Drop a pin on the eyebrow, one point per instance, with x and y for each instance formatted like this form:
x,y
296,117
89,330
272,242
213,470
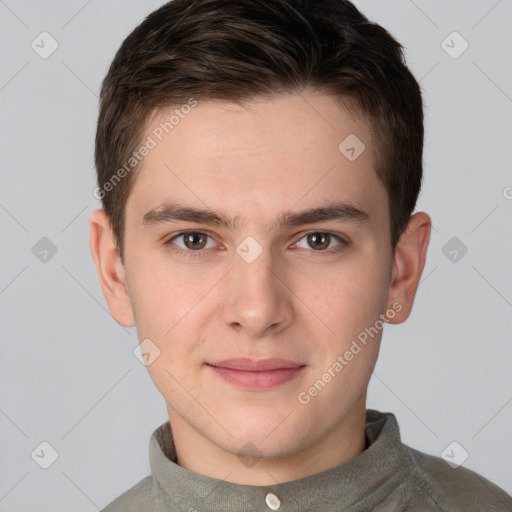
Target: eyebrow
x,y
168,212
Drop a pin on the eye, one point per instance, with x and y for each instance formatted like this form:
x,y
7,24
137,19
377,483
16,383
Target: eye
x,y
193,241
320,241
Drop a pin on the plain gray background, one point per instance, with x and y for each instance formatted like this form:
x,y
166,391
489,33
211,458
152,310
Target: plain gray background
x,y
69,374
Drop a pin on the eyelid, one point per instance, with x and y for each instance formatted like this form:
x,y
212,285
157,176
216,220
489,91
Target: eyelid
x,y
342,241
170,242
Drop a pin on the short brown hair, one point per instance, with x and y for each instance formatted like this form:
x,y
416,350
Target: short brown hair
x,y
236,50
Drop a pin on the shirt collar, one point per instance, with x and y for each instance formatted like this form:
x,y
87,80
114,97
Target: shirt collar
x,y
371,476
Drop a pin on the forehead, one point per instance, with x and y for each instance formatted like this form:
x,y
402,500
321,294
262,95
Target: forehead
x,y
258,158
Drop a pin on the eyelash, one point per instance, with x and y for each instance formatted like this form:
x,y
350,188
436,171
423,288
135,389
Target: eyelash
x,y
200,253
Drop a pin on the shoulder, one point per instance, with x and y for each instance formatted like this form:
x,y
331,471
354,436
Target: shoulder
x,y
139,498
455,489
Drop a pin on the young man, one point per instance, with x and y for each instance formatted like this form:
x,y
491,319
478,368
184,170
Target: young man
x,y
259,164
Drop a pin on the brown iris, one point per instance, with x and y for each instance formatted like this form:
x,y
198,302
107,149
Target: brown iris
x,y
319,240
196,240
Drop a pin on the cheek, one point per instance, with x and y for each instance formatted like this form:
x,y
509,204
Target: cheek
x,y
168,306
165,294
349,298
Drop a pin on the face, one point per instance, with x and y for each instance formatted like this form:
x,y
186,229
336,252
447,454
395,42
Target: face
x,y
292,263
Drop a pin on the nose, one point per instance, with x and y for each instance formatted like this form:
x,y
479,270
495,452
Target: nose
x,y
258,298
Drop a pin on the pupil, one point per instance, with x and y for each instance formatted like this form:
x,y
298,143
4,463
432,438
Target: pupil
x,y
323,240
195,240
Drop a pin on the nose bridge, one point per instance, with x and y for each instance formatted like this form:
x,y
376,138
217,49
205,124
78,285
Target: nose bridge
x,y
257,299
257,272
254,270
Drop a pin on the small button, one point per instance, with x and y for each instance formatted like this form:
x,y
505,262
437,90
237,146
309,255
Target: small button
x,y
273,502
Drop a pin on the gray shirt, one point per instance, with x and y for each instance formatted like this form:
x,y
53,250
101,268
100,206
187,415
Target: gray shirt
x,y
387,476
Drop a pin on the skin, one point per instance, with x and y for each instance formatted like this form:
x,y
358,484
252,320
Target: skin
x,y
293,301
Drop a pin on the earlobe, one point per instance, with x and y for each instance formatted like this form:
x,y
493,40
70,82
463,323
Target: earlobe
x,y
408,264
110,270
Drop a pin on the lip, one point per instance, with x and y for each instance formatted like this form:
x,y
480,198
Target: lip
x,y
256,365
257,374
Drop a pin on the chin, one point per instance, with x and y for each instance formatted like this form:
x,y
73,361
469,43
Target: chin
x,y
270,440
254,447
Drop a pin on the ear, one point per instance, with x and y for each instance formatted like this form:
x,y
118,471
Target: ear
x,y
110,269
408,264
